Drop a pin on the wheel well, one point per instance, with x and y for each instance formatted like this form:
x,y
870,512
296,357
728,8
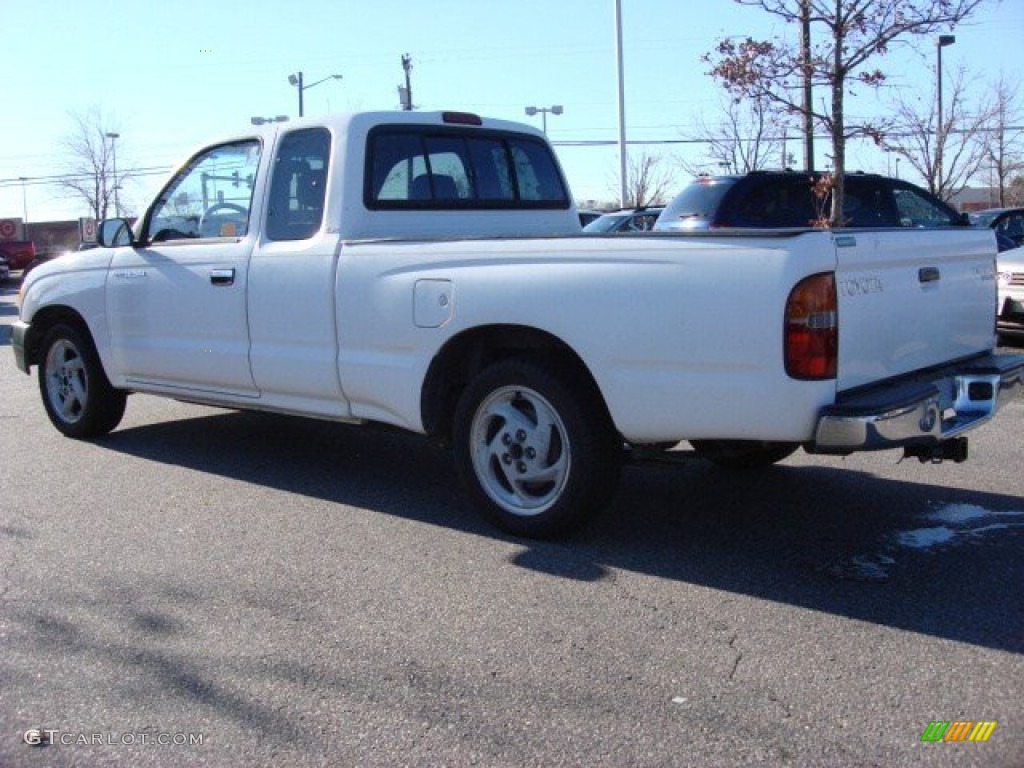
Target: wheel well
x,y
43,321
465,355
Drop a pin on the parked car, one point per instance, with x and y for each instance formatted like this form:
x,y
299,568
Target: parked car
x,y
786,199
1008,224
1010,304
19,253
627,220
586,215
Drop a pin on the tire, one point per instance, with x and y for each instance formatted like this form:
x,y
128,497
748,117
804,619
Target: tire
x,y
76,393
743,454
535,449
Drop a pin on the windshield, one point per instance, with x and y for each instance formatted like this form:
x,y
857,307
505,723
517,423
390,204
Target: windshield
x,y
607,223
983,218
697,203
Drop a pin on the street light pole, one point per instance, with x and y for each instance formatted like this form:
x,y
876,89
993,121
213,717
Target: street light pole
x,y
296,80
113,154
554,110
622,103
940,133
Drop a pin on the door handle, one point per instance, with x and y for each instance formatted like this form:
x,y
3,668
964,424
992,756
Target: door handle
x,y
928,274
222,276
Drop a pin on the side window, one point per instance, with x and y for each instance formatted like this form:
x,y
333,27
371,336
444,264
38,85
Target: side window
x,y
1013,227
917,210
210,197
867,204
295,209
777,202
447,169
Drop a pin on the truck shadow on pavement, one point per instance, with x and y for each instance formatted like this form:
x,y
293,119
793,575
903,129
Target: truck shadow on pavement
x,y
153,641
930,559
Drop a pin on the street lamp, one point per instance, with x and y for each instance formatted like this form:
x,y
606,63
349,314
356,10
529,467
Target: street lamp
x,y
940,137
267,120
296,80
113,154
555,110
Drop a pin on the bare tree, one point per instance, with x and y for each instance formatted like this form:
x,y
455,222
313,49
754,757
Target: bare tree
x,y
89,172
649,180
856,32
748,136
1004,140
1015,191
959,138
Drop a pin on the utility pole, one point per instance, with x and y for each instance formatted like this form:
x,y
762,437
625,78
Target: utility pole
x,y
805,60
622,103
406,96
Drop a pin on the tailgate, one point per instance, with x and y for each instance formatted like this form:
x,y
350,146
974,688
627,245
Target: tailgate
x,y
912,299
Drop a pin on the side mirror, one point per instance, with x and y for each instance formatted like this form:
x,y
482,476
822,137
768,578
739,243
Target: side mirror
x,y
112,233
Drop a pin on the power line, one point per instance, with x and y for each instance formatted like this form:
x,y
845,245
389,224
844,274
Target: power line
x,y
154,170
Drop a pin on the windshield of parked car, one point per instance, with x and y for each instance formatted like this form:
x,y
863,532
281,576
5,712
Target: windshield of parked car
x,y
983,218
695,205
607,223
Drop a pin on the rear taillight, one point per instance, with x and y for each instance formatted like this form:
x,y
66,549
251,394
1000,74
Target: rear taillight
x,y
812,328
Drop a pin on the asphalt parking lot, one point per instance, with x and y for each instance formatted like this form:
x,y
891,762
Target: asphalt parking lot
x,y
208,587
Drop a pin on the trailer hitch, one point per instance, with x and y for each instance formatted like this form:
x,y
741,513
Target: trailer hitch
x,y
954,449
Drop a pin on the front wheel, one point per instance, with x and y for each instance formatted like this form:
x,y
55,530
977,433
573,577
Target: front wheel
x,y
534,449
77,395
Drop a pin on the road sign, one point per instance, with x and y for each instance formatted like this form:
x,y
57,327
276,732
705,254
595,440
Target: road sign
x,y
9,228
87,230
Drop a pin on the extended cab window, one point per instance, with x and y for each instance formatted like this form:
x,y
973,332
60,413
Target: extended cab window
x,y
210,197
451,169
297,185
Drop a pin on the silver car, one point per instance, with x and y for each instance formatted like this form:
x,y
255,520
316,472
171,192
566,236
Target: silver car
x,y
1010,306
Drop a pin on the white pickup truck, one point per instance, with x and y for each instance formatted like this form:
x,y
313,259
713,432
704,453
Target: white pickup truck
x,y
428,271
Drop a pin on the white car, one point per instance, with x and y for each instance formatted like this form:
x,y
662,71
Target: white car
x,y
1010,305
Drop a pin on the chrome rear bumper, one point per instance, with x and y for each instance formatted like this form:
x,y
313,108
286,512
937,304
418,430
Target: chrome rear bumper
x,y
926,408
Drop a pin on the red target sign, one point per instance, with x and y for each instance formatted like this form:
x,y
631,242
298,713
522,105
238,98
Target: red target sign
x,y
87,230
8,229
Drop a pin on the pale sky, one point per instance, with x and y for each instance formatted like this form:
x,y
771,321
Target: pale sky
x,y
170,76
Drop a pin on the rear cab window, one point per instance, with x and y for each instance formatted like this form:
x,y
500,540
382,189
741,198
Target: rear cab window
x,y
439,167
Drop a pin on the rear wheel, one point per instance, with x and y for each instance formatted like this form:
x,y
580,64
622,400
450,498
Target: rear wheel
x,y
534,449
743,454
77,395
